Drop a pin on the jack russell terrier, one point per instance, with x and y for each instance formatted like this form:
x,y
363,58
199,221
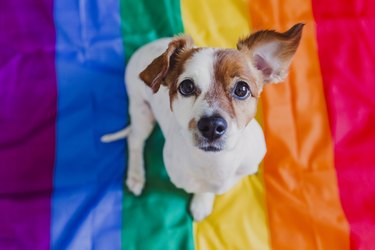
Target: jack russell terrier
x,y
204,100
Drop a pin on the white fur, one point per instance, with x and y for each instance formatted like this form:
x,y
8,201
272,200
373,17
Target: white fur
x,y
202,205
200,68
116,136
196,171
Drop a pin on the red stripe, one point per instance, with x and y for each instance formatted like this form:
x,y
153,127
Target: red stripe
x,y
346,39
27,122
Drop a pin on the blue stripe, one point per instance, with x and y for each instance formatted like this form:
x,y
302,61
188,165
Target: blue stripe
x,y
88,177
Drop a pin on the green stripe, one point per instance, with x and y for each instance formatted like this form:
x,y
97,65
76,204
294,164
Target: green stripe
x,y
159,218
146,20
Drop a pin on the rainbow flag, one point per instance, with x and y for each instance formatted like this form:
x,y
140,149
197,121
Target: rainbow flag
x,y
61,87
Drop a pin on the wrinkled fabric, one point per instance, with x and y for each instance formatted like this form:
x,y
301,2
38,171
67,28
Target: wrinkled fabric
x,y
27,123
88,175
345,39
62,64
159,218
239,219
303,202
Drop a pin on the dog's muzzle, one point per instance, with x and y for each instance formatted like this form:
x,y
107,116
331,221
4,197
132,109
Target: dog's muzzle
x,y
212,128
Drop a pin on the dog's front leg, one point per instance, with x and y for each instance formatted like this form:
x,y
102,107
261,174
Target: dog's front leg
x,y
201,205
142,123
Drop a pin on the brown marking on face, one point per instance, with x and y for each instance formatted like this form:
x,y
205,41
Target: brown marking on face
x,y
155,73
176,70
245,111
192,124
231,65
166,69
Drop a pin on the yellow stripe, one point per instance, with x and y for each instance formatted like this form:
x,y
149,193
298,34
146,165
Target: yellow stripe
x,y
239,219
216,23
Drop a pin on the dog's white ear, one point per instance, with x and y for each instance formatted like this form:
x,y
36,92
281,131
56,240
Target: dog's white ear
x,y
271,52
156,72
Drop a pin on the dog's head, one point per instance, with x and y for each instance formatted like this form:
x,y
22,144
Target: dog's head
x,y
214,92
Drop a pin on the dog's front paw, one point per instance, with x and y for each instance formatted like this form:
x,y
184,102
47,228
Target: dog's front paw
x,y
201,206
135,184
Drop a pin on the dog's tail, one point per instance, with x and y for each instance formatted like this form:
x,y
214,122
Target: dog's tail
x,y
116,135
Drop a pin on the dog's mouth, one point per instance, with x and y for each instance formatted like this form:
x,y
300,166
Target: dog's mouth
x,y
210,148
207,145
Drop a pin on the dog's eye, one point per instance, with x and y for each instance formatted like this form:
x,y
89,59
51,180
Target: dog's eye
x,y
186,87
241,90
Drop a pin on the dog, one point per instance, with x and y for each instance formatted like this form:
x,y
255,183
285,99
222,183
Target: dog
x,y
204,100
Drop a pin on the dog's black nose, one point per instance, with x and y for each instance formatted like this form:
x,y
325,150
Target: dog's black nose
x,y
212,127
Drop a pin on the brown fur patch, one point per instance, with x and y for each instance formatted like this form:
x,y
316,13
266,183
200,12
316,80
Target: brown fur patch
x,y
192,124
289,40
155,73
286,44
231,65
177,68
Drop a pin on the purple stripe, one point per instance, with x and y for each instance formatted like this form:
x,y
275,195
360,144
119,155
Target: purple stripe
x,y
27,122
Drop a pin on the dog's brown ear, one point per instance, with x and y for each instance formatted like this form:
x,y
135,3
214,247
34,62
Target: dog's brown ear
x,y
271,52
156,72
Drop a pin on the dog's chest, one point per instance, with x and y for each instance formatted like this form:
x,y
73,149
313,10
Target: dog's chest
x,y
197,171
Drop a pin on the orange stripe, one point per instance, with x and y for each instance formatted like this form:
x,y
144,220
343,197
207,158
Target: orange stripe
x,y
301,186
